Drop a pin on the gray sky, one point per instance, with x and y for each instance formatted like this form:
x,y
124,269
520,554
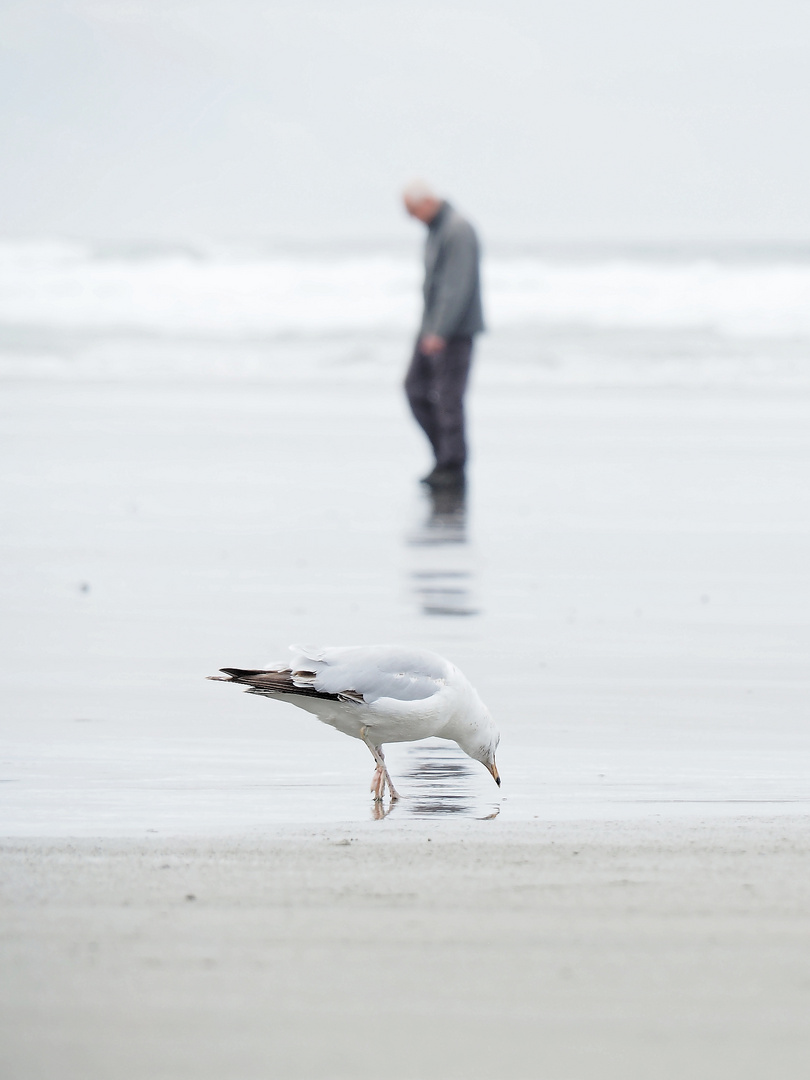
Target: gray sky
x,y
572,119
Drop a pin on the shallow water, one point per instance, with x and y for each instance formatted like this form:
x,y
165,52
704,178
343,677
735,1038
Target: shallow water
x,y
626,584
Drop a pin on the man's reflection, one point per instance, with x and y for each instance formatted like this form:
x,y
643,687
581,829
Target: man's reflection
x,y
441,574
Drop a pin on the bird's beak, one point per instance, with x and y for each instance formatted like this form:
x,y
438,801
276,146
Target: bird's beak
x,y
493,768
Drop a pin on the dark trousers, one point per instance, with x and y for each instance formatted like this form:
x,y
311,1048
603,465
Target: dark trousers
x,y
435,387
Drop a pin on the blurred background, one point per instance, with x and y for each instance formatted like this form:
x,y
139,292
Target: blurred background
x,y
614,121
181,174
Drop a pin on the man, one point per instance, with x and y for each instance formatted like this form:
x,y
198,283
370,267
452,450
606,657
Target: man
x,y
437,377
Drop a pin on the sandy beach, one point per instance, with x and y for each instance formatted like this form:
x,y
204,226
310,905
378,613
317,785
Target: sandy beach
x,y
472,950
626,586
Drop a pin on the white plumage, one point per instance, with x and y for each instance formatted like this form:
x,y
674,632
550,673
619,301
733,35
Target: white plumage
x,y
380,694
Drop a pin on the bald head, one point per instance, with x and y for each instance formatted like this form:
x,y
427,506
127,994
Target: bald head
x,y
421,202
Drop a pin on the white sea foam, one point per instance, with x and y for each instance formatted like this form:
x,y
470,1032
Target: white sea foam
x,y
73,310
732,299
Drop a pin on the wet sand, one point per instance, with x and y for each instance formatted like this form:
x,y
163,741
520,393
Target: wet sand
x,y
627,586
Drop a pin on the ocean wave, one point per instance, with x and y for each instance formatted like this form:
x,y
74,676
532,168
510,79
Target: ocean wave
x,y
193,291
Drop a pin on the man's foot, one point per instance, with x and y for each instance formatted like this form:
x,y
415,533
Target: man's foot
x,y
446,476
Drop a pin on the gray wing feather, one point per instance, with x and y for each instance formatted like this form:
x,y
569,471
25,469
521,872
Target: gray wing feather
x,y
381,671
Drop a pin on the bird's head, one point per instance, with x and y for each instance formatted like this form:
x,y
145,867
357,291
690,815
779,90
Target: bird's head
x,y
480,741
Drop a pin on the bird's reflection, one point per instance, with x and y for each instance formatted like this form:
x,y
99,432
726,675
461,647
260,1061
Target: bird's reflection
x,y
446,783
440,575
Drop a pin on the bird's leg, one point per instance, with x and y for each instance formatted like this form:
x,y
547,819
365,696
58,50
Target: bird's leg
x,y
378,784
392,791
381,775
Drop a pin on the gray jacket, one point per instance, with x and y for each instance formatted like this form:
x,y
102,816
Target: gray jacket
x,y
452,286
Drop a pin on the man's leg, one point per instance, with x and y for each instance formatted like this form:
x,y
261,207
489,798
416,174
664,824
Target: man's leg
x,y
418,387
452,368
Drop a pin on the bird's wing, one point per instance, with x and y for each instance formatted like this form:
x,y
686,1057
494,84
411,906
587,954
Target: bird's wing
x,y
369,673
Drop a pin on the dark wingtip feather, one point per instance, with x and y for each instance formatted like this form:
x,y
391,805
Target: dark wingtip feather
x,y
235,674
270,683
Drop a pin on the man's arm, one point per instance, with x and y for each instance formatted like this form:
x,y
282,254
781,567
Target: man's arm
x,y
454,287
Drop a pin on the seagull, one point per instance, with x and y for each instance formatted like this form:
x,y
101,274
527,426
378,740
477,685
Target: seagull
x,y
380,694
